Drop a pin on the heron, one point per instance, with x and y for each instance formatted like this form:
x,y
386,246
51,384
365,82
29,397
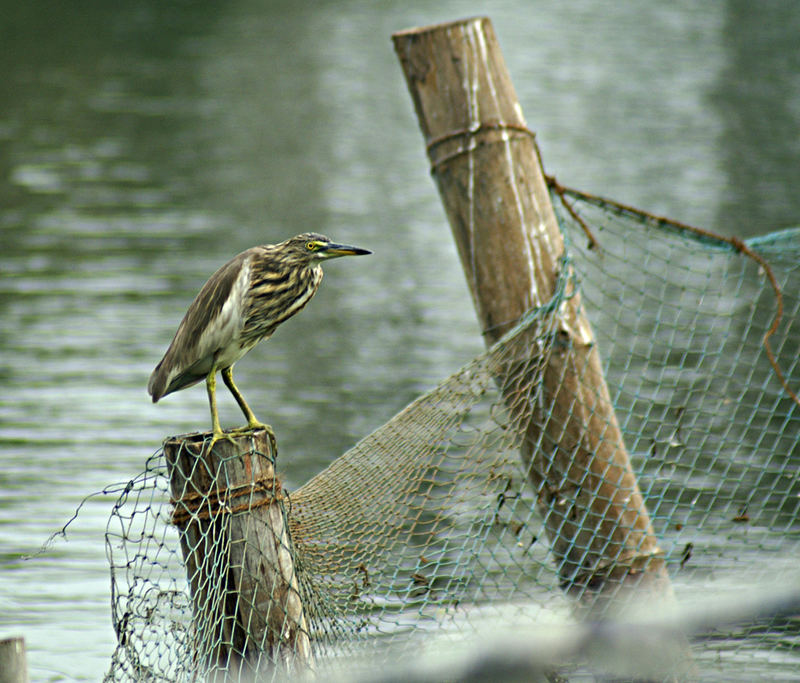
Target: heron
x,y
241,304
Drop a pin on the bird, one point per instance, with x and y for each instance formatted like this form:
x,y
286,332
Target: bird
x,y
241,304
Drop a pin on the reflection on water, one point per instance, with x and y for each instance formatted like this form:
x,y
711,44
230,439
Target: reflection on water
x,y
145,144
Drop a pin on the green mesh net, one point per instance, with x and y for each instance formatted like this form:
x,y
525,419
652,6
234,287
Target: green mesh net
x,y
433,525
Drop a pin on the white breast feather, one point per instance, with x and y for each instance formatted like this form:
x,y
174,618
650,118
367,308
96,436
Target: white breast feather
x,y
223,334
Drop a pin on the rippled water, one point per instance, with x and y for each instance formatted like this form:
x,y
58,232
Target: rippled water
x,y
144,145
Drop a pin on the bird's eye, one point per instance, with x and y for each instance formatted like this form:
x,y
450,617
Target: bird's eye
x,y
311,246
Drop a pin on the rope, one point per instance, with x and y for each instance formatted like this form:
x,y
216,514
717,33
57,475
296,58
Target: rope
x,y
734,242
205,505
470,134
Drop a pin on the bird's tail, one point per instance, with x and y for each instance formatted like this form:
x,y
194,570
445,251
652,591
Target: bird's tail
x,y
157,385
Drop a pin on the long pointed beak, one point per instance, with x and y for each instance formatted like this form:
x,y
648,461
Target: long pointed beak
x,y
334,250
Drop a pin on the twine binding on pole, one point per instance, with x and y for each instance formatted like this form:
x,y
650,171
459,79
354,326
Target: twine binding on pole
x,y
206,505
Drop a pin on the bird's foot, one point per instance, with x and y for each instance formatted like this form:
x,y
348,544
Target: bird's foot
x,y
219,435
252,427
255,425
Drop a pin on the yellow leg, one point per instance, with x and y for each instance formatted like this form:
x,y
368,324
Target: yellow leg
x,y
227,376
252,422
216,430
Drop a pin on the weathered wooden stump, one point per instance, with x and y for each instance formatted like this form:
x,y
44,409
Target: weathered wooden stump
x,y
13,663
229,508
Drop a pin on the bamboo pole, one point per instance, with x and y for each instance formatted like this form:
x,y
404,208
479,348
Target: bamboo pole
x,y
13,663
234,535
486,166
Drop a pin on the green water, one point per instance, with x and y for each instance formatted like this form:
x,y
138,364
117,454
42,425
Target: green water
x,y
143,144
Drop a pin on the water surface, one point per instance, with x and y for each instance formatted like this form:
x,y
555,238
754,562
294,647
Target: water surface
x,y
143,144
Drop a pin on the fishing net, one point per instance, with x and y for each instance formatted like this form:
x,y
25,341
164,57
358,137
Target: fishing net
x,y
434,525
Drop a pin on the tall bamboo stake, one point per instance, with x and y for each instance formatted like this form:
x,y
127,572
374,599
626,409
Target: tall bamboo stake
x,y
486,166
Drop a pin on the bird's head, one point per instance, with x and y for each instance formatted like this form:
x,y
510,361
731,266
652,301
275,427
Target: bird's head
x,y
311,248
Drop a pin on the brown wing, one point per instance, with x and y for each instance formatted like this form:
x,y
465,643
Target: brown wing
x,y
186,361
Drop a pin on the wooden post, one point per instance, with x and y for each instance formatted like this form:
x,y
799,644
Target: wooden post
x,y
13,663
485,162
228,506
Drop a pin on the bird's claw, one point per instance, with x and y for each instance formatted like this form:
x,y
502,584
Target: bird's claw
x,y
253,426
220,436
